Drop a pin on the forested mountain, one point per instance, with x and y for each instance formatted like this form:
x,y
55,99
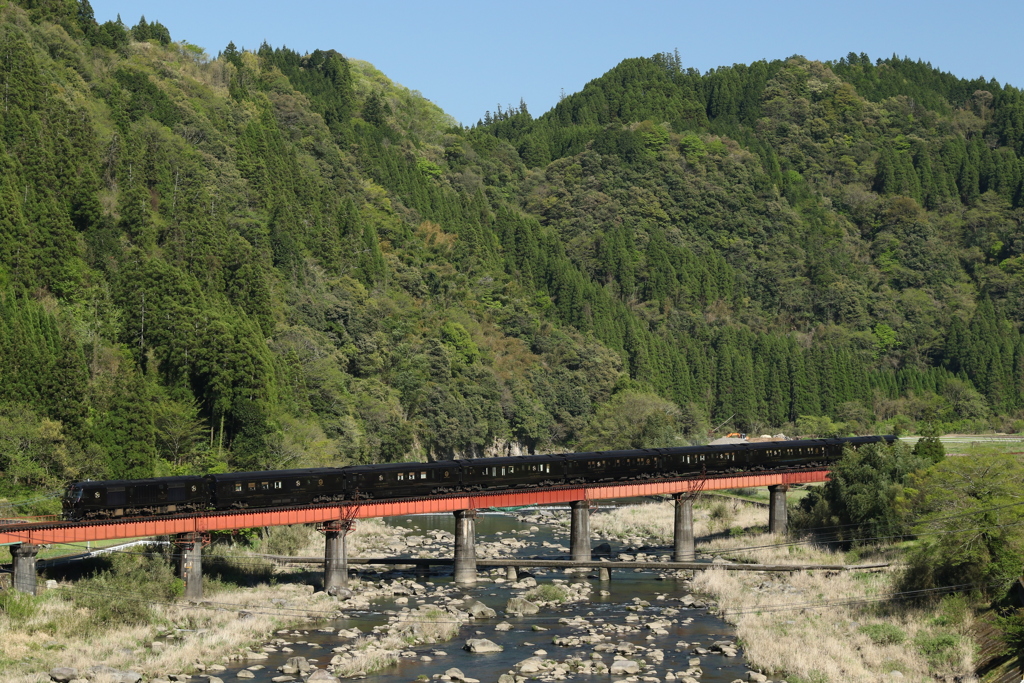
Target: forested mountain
x,y
268,259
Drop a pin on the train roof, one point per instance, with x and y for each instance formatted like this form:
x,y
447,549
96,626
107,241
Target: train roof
x,y
400,466
89,483
276,474
509,460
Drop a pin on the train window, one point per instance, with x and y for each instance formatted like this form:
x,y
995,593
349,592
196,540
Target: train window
x,y
265,485
277,484
252,486
401,476
503,471
238,486
423,475
548,468
380,477
319,482
511,470
298,482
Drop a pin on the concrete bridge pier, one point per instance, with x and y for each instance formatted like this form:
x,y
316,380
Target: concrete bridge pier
x,y
579,531
684,541
604,573
778,521
511,574
336,556
465,547
24,579
190,565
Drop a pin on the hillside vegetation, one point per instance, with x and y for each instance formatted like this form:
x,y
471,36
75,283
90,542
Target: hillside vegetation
x,y
268,259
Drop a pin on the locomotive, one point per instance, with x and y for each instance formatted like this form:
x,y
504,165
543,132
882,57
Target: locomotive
x,y
86,500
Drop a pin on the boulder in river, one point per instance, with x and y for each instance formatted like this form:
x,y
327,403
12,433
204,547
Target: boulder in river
x,y
624,666
322,676
482,645
519,605
531,666
294,665
479,610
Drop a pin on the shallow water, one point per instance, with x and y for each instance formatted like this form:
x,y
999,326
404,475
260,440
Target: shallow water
x,y
522,642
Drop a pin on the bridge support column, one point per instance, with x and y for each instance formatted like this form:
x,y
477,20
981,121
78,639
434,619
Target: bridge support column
x,y
336,556
511,574
24,579
604,573
465,547
190,565
579,531
684,542
778,522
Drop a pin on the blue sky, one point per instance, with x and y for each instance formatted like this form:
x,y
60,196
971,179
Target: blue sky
x,y
470,56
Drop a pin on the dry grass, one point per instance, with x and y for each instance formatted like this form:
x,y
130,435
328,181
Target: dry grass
x,y
59,633
303,540
797,626
65,628
655,521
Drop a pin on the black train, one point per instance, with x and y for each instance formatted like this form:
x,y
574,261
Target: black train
x,y
85,500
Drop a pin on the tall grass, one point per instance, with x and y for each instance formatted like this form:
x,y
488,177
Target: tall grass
x,y
823,626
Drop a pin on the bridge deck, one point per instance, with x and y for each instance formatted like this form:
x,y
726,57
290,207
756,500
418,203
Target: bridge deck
x,y
78,532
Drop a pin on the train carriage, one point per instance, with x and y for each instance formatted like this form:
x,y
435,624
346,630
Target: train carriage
x,y
608,466
272,488
401,480
133,498
484,474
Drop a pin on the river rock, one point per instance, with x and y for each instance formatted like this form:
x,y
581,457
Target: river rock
x,y
521,606
756,677
624,666
63,674
531,665
506,678
245,673
322,676
455,674
482,645
479,610
503,626
294,665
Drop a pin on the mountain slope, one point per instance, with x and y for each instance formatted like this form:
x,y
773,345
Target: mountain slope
x,y
270,259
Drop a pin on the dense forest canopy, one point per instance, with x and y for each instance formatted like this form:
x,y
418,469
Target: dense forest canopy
x,y
271,259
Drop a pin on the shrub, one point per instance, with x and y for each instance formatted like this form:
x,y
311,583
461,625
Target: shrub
x,y
940,648
549,592
129,590
17,606
884,634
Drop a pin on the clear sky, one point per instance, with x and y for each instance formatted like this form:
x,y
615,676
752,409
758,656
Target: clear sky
x,y
470,56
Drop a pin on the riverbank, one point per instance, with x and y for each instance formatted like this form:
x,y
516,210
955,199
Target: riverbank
x,y
123,610
810,627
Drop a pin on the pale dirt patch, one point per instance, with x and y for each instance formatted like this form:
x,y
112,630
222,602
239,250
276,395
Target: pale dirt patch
x,y
656,521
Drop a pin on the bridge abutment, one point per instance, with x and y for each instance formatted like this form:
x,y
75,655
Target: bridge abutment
x,y
336,555
190,565
579,531
24,569
683,536
465,547
778,522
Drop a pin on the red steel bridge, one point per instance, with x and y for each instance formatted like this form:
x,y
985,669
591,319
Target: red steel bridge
x,y
336,521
